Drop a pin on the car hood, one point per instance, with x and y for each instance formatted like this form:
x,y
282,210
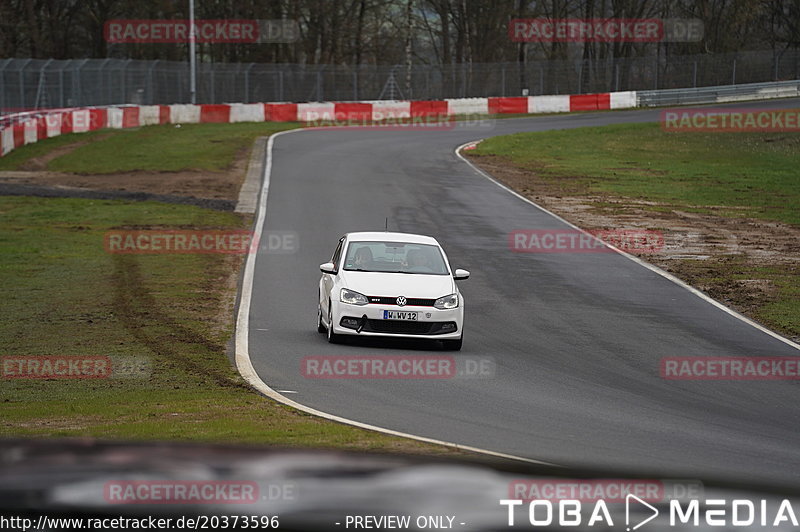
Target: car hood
x,y
399,284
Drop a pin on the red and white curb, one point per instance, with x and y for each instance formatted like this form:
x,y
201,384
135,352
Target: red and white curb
x,y
28,127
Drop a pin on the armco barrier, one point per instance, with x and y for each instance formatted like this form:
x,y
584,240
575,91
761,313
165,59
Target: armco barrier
x,y
27,127
718,94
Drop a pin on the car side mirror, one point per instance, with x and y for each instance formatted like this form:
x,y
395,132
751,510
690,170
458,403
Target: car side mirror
x,y
328,267
460,275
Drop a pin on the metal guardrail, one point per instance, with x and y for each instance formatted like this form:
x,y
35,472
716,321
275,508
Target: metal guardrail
x,y
718,94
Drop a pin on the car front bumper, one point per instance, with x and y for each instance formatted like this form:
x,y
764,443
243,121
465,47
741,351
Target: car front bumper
x,y
432,323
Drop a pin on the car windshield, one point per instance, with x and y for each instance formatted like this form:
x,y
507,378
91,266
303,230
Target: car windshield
x,y
395,257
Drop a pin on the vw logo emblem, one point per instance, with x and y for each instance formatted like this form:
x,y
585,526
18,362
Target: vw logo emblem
x,y
401,301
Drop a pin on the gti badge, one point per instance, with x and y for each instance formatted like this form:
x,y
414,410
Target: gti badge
x,y
401,301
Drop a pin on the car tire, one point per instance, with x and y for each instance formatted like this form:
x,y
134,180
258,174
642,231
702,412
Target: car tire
x,y
333,338
320,326
453,345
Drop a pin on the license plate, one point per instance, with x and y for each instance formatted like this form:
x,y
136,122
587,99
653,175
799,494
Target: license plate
x,y
400,315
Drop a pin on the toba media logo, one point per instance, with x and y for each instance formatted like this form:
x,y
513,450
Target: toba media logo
x,y
607,503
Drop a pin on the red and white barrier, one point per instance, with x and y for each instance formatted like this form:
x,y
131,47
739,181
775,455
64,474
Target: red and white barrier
x,y
390,110
468,106
311,112
247,112
7,136
623,100
548,104
25,128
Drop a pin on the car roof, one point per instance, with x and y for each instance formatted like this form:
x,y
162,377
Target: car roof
x,y
387,236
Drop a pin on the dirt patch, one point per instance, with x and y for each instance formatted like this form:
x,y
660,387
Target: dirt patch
x,y
221,185
37,164
707,250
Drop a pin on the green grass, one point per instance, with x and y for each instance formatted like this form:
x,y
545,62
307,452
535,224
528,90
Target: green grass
x,y
64,295
19,156
164,148
721,278
750,175
747,174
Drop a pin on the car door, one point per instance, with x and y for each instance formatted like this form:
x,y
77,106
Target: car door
x,y
328,279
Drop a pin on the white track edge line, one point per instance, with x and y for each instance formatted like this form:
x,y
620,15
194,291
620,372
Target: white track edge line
x,y
635,259
245,366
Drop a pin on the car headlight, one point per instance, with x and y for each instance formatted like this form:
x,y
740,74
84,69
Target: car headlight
x,y
446,302
351,297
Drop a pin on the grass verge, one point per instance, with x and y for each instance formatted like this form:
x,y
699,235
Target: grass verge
x,y
64,295
639,168
164,148
751,174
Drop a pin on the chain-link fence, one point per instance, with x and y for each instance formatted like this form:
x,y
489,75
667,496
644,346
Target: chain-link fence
x,y
35,84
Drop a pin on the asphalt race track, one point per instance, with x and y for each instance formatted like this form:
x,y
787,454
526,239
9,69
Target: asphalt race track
x,y
577,338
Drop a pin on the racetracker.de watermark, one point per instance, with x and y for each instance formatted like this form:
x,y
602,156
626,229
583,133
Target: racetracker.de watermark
x,y
121,31
730,120
431,122
730,368
182,492
396,367
74,367
578,241
605,30
608,490
156,241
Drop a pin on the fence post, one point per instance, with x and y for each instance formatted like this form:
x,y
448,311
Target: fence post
x,y
150,85
61,83
22,84
733,81
78,87
106,81
694,75
40,85
247,83
3,85
541,79
211,72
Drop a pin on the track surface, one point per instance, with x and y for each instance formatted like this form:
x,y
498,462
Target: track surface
x,y
577,338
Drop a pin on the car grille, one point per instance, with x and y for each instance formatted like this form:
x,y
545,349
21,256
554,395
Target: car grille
x,y
388,300
403,327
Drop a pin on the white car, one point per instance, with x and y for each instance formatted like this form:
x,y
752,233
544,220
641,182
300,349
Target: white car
x,y
392,285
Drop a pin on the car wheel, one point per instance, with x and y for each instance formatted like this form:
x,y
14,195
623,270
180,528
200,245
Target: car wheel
x,y
332,336
320,326
453,345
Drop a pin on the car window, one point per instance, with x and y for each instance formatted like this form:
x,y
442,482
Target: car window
x,y
401,257
337,253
